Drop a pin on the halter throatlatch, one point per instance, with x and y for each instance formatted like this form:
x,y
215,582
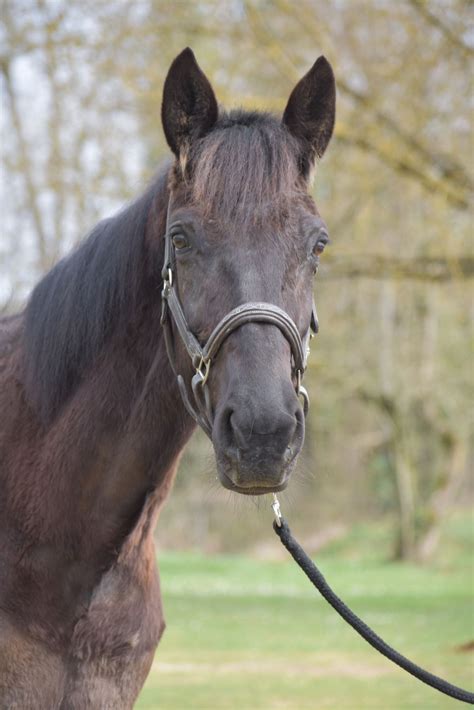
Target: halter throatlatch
x,y
197,398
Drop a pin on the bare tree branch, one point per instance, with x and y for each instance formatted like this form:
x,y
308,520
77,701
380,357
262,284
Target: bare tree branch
x,y
436,173
27,170
381,267
422,7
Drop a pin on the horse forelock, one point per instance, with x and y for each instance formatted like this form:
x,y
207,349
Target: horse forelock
x,y
245,169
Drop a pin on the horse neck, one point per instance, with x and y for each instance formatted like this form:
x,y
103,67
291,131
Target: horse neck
x,y
133,412
140,427
115,441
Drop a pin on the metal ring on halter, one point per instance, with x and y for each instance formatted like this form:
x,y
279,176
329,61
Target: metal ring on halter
x,y
303,393
202,399
298,382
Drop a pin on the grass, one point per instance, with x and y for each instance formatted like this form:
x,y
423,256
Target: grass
x,y
250,635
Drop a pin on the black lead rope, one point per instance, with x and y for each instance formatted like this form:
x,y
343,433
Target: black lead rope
x,y
312,572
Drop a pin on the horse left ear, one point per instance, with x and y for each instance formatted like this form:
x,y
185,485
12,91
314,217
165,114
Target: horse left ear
x,y
311,110
189,109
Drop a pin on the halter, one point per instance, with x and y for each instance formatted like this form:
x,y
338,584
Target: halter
x,y
198,403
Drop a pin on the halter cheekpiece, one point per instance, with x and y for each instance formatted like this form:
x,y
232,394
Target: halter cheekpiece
x,y
197,398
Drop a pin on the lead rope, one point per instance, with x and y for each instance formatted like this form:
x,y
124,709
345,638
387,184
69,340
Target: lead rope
x,y
314,575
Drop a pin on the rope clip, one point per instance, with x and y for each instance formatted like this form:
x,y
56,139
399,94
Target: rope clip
x,y
277,510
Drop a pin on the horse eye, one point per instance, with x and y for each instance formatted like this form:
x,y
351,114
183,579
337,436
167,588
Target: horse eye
x,y
320,244
179,241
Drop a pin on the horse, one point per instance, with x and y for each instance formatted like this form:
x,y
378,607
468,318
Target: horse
x,y
96,402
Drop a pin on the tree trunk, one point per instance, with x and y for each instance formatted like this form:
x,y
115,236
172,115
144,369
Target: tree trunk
x,y
406,501
443,498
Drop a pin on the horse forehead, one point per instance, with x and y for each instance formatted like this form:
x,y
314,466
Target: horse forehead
x,y
253,264
271,227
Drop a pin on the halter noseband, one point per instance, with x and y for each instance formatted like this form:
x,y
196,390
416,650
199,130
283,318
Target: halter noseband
x,y
202,356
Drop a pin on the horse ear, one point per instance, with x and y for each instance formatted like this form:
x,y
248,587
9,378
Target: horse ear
x,y
311,110
189,108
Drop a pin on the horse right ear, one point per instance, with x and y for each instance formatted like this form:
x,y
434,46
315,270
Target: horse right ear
x,y
310,112
189,109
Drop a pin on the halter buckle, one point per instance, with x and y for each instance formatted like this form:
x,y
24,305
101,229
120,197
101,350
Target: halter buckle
x,y
206,364
167,283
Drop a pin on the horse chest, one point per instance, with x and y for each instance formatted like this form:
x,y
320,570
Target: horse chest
x,y
97,655
114,643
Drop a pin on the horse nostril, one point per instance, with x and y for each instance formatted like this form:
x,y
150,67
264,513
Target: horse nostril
x,y
276,431
299,417
237,434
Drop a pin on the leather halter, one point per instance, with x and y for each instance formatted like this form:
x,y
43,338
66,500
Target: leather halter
x,y
202,356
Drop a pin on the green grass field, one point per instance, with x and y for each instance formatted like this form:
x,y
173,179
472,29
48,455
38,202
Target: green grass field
x,y
250,635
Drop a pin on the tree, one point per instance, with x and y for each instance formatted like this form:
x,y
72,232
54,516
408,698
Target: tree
x,y
387,432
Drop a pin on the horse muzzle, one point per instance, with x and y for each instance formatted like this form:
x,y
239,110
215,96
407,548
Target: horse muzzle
x,y
257,443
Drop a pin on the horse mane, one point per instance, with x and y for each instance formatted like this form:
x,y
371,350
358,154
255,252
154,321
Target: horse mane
x,y
78,304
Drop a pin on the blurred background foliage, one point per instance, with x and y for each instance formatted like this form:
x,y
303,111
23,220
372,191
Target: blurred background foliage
x,y
389,435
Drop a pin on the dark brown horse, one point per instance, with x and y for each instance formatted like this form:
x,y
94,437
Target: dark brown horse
x,y
92,420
